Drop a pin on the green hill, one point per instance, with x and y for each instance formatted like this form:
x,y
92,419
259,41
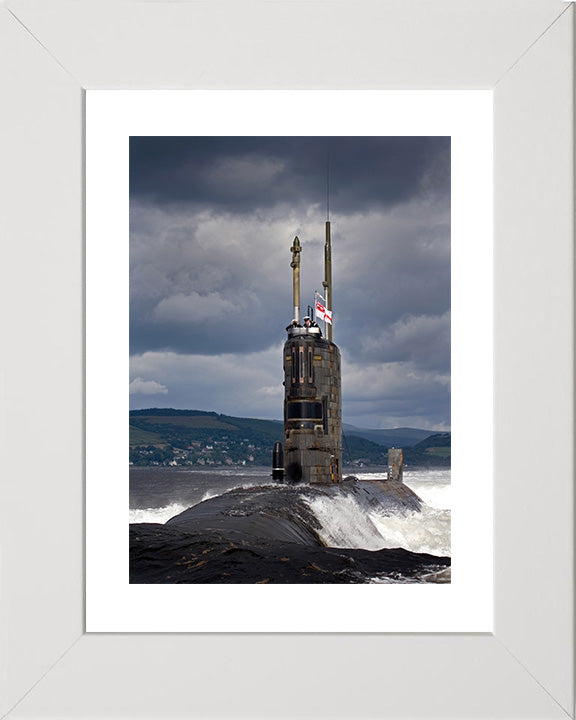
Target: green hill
x,y
443,439
185,425
359,451
437,447
143,437
393,437
195,437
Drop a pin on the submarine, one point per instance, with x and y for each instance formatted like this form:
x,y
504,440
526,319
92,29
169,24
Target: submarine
x,y
269,532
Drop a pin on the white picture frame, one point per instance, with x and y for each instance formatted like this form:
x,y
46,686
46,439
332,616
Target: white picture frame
x,y
54,50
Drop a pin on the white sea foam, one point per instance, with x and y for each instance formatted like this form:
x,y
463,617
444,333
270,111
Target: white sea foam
x,y
427,531
163,514
437,577
344,523
156,515
437,495
432,486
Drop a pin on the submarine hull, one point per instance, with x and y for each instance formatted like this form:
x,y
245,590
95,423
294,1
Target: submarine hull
x,y
282,512
270,534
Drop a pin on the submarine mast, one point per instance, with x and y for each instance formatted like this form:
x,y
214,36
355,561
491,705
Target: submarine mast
x,y
327,284
296,249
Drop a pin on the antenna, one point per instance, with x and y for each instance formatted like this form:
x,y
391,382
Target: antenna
x,y
327,187
327,284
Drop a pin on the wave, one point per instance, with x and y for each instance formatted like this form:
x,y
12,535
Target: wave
x,y
156,515
345,524
438,576
163,514
436,495
427,531
432,486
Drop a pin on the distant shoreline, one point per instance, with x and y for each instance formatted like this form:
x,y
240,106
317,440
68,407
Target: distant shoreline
x,y
168,437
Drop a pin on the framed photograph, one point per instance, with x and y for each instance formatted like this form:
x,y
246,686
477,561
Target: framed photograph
x,y
518,663
453,132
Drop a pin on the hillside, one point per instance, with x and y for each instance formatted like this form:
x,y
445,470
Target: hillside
x,y
437,446
165,436
393,437
200,438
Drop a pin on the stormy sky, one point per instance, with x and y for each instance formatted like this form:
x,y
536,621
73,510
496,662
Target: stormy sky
x,y
212,220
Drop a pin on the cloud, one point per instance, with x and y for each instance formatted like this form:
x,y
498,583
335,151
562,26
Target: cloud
x,y
193,306
235,271
239,173
138,386
250,385
211,224
394,394
246,385
423,340
245,176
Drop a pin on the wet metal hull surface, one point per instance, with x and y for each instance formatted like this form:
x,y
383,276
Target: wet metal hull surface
x,y
270,534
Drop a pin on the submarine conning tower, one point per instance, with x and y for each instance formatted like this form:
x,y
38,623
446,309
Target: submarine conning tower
x,y
312,395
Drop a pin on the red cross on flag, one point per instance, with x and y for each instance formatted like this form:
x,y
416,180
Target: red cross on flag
x,y
321,312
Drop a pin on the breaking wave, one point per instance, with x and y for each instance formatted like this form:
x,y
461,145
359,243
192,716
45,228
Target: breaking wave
x,y
427,531
156,515
432,486
345,524
163,514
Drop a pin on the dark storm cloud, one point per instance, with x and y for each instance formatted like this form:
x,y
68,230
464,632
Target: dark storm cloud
x,y
208,283
241,174
212,221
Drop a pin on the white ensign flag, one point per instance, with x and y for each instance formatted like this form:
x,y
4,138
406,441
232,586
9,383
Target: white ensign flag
x,y
321,312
